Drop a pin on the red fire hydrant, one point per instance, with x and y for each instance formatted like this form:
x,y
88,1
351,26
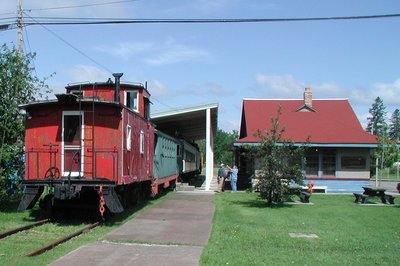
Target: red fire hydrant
x,y
310,186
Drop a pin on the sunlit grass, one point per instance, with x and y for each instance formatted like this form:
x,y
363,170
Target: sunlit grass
x,y
246,232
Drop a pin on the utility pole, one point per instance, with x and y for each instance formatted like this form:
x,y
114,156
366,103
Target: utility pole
x,y
20,33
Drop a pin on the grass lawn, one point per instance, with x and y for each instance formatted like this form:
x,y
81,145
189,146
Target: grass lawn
x,y
246,232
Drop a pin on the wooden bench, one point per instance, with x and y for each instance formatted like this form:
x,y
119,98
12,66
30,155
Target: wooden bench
x,y
389,196
304,196
316,189
361,198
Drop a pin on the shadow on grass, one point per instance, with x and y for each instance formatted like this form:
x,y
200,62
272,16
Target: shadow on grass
x,y
260,203
74,216
10,204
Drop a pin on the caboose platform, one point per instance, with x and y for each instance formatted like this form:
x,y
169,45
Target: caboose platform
x,y
172,233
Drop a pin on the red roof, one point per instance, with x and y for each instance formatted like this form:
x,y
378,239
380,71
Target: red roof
x,y
330,122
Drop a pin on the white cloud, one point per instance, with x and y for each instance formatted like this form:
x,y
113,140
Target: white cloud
x,y
286,86
329,90
160,53
388,92
282,86
173,53
57,88
209,89
126,49
83,73
216,89
157,89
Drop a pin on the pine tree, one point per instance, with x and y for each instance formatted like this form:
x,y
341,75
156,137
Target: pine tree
x,y
394,130
376,123
281,162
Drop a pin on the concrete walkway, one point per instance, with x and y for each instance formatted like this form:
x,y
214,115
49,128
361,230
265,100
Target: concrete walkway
x,y
174,233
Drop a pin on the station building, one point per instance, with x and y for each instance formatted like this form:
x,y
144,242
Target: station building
x,y
339,148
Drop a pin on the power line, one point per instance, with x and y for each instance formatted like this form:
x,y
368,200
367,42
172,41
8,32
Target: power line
x,y
102,21
96,21
79,6
73,47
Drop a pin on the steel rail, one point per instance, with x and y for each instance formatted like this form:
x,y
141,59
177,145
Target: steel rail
x,y
61,240
22,228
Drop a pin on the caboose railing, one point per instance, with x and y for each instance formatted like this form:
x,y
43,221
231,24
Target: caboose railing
x,y
34,164
39,166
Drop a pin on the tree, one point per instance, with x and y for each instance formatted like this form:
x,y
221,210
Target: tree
x,y
387,151
376,122
280,162
394,130
17,85
223,146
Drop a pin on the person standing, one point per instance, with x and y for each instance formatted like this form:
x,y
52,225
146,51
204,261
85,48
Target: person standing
x,y
234,177
220,173
221,177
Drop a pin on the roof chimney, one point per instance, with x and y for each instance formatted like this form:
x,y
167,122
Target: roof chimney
x,y
117,77
308,97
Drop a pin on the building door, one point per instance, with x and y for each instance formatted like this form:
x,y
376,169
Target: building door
x,y
72,134
329,162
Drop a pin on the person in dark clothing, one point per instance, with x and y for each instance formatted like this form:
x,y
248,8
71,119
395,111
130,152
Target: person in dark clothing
x,y
222,174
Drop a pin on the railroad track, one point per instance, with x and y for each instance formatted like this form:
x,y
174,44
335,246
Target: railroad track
x,y
52,244
22,228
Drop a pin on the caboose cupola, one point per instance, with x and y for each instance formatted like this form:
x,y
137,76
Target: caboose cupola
x,y
133,96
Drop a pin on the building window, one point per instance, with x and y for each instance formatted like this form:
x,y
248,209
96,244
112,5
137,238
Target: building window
x,y
131,100
312,163
141,140
128,138
353,162
328,162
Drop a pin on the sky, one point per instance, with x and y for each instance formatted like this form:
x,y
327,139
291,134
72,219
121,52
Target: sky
x,y
188,65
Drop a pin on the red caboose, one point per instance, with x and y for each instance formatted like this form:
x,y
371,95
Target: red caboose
x,y
95,142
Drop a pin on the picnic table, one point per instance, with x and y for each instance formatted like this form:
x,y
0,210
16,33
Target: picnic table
x,y
390,196
370,192
303,195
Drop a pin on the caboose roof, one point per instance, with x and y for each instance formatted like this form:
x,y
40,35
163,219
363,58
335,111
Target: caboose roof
x,y
60,99
110,85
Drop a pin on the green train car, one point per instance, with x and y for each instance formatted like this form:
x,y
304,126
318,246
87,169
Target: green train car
x,y
175,157
165,155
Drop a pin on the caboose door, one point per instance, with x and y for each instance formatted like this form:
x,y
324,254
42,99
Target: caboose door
x,y
72,143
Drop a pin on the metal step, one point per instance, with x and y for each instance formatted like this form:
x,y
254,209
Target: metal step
x,y
184,187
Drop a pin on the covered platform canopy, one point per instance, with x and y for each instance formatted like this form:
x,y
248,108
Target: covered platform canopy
x,y
192,123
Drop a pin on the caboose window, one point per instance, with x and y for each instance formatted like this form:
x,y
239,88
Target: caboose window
x,y
128,138
72,133
131,100
72,155
141,142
